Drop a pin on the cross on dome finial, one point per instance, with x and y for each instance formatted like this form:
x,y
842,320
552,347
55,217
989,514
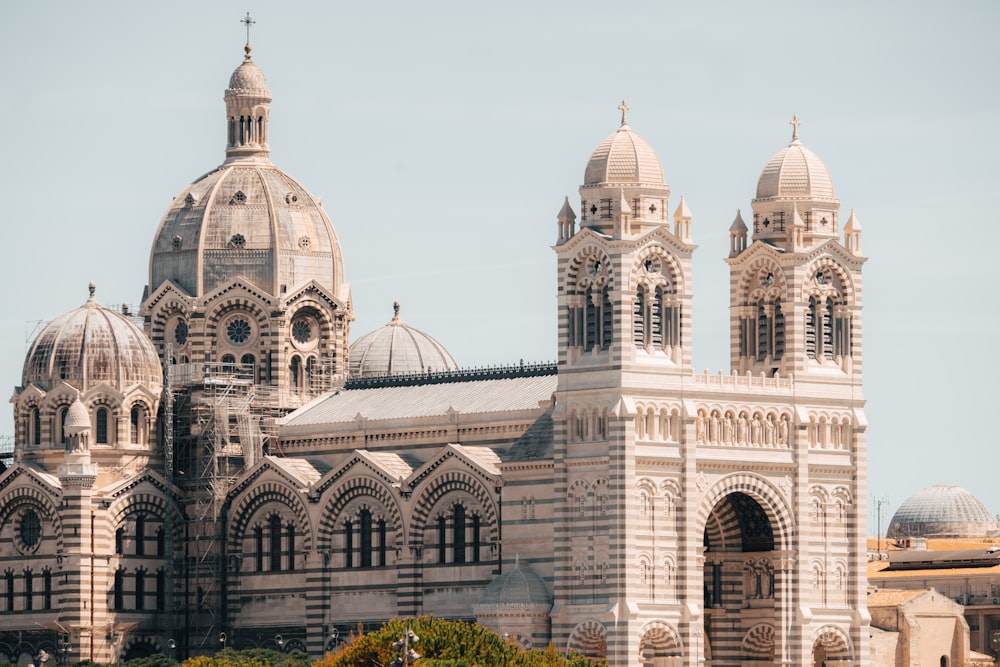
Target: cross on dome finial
x,y
247,21
795,122
624,107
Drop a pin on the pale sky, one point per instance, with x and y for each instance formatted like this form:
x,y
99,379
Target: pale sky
x,y
443,136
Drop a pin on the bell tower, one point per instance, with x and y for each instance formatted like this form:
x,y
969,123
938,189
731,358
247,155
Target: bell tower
x,y
795,290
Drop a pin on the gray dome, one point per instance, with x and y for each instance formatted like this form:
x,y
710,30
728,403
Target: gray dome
x,y
942,510
89,346
516,588
397,349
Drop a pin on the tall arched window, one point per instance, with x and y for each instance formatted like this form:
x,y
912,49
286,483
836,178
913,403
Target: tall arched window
x,y
274,533
120,540
639,329
29,593
61,421
258,535
828,329
459,528
381,542
811,325
102,426
348,544
598,319
247,365
476,543
140,535
134,417
119,590
47,589
290,547
295,368
36,427
228,363
10,591
366,538
310,376
779,330
442,540
140,589
161,542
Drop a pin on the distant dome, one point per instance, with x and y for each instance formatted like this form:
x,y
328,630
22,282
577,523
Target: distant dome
x,y
397,349
624,157
89,346
942,510
795,172
516,588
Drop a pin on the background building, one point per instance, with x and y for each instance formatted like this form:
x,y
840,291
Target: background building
x,y
615,503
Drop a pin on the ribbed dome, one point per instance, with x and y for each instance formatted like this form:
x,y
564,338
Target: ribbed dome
x,y
795,172
90,346
77,419
518,587
248,78
624,157
246,220
942,510
397,349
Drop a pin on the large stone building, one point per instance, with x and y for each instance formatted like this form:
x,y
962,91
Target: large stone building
x,y
256,492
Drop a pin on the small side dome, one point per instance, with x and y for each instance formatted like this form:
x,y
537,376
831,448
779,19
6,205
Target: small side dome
x,y
77,419
942,510
89,346
795,172
397,349
518,588
623,157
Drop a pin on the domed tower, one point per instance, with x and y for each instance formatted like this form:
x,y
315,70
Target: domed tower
x,y
246,274
398,349
91,367
624,312
796,288
941,510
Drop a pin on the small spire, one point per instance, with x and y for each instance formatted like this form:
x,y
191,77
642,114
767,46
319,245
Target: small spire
x,y
623,205
566,212
247,21
738,224
682,212
797,220
794,122
853,225
624,107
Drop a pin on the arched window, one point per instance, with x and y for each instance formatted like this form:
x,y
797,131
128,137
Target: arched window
x,y
10,591
61,420
442,540
119,590
134,418
295,368
310,373
597,319
381,542
459,543
161,542
811,323
763,333
102,426
228,363
140,590
258,535
274,533
247,365
366,538
639,329
779,330
348,544
29,593
475,538
120,541
140,535
36,427
290,547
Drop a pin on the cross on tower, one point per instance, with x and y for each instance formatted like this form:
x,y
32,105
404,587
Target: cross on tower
x,y
794,122
247,21
623,107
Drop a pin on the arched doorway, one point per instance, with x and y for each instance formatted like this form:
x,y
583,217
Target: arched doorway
x,y
740,579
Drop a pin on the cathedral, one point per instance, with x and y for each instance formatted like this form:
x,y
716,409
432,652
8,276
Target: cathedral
x,y
223,468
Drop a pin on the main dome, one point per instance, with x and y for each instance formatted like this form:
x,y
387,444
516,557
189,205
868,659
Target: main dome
x,y
89,346
246,219
942,510
795,172
397,349
623,157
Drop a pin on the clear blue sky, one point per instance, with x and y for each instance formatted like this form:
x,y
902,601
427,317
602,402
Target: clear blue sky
x,y
442,137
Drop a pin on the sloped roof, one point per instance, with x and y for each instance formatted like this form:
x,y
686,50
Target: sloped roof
x,y
426,400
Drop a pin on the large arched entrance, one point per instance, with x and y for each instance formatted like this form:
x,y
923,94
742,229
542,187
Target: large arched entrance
x,y
742,605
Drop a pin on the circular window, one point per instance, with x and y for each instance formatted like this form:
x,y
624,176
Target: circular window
x,y
29,531
305,332
238,331
181,333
